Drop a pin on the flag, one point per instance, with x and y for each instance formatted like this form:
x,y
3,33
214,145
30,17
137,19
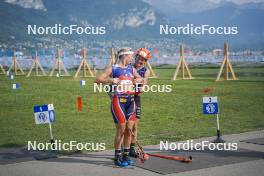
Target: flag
x,y
11,76
82,82
15,86
44,114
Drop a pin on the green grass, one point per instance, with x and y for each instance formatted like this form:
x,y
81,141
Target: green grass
x,y
166,116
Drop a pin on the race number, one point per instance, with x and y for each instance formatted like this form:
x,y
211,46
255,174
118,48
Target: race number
x,y
210,105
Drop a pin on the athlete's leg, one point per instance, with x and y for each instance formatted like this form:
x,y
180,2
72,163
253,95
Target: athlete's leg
x,y
130,116
120,131
128,135
127,141
132,152
135,130
138,115
117,109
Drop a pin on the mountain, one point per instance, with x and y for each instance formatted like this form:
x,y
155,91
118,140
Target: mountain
x,y
248,17
122,18
137,19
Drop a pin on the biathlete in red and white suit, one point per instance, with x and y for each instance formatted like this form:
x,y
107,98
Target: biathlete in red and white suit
x,y
123,76
142,55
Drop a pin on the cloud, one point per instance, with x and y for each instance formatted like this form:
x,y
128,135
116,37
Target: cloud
x,y
30,4
238,1
189,6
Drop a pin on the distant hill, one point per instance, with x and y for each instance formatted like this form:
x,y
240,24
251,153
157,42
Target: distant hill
x,y
137,19
122,18
247,17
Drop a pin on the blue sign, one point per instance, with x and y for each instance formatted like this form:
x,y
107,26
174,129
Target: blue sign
x,y
210,105
82,82
10,76
42,117
15,86
44,114
52,115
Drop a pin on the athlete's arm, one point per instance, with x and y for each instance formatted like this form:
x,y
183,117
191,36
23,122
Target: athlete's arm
x,y
105,77
138,78
146,76
145,80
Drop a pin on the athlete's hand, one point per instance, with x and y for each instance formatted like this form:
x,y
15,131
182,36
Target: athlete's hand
x,y
115,81
138,80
